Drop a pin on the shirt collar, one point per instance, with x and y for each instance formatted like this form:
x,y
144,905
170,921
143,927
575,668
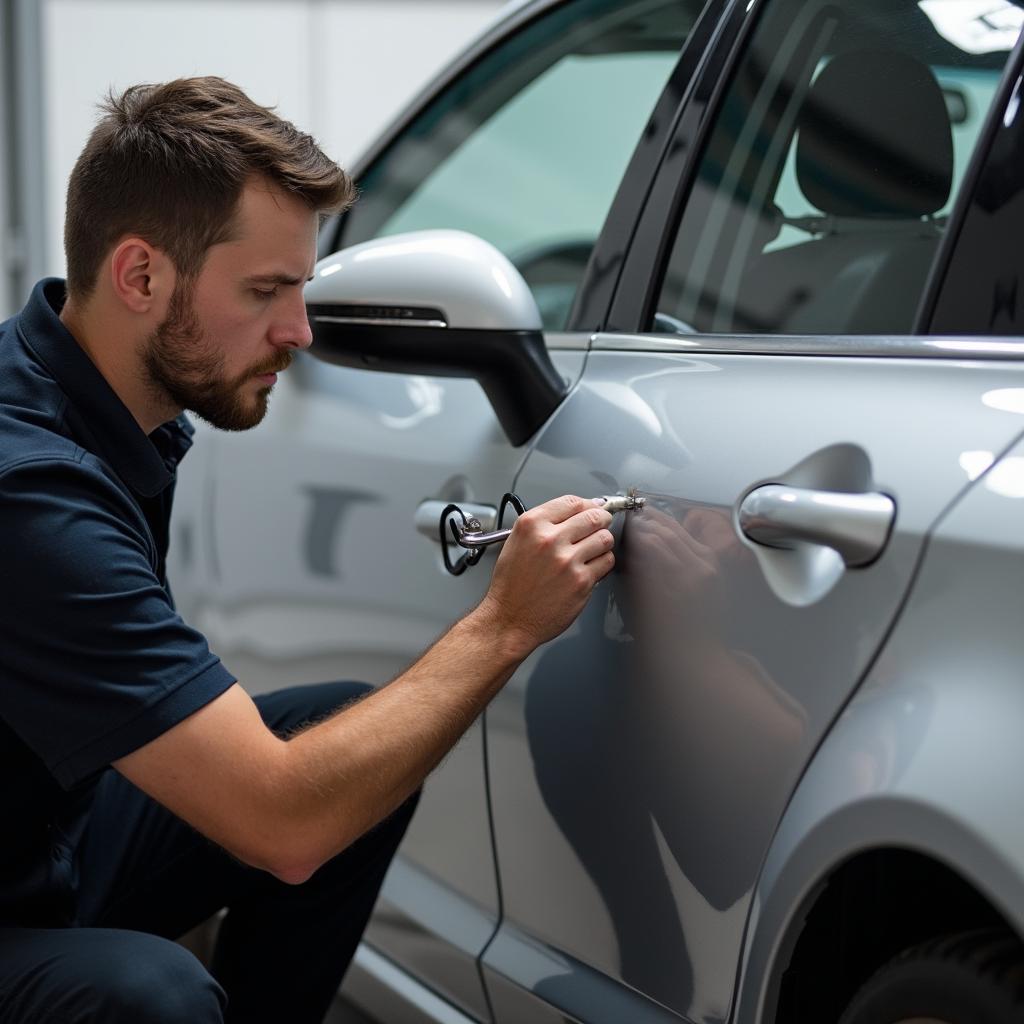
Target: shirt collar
x,y
145,463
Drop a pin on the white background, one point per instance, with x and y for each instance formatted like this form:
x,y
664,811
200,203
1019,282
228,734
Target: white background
x,y
340,69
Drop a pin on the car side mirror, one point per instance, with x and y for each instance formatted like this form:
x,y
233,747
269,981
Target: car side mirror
x,y
440,303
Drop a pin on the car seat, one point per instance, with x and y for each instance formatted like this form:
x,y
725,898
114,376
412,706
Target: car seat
x,y
875,155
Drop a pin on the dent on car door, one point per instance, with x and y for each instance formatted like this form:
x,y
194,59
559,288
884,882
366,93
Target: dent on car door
x,y
795,441
320,570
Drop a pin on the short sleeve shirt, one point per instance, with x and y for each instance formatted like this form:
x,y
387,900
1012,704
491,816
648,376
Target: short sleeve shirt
x,y
95,660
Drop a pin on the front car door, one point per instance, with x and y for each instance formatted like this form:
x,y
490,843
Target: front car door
x,y
762,380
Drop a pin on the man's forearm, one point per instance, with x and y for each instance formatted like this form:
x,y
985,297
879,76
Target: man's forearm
x,y
288,806
349,772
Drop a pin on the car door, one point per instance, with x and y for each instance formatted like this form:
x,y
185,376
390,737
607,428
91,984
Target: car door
x,y
311,545
761,381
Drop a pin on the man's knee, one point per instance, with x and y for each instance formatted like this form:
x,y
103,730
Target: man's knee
x,y
155,981
102,976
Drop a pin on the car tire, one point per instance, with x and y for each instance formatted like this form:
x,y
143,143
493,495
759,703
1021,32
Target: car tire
x,y
971,978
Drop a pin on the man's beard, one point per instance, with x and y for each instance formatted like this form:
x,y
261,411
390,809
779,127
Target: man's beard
x,y
186,366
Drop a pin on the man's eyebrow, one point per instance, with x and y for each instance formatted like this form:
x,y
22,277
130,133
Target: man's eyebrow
x,y
276,279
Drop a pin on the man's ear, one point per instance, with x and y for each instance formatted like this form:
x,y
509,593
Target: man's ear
x,y
142,276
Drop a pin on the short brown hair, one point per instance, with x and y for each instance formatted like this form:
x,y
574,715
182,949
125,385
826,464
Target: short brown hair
x,y
168,163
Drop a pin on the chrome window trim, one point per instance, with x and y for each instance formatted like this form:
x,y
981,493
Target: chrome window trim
x,y
575,341
915,347
364,321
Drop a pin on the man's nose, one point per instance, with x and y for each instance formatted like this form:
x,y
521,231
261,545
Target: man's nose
x,y
292,330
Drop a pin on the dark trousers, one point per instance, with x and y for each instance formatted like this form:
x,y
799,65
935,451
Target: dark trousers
x,y
146,878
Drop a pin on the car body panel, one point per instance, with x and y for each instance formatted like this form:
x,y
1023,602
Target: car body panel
x,y
540,984
923,756
630,829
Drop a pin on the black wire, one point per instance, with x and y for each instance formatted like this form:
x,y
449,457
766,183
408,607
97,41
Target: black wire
x,y
508,498
461,564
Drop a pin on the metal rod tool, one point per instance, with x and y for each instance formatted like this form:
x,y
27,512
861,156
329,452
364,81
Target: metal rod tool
x,y
472,536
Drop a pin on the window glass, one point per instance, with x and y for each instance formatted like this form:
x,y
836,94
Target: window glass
x,y
825,185
527,149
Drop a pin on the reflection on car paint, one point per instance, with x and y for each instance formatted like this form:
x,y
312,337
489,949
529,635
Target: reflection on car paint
x,y
327,512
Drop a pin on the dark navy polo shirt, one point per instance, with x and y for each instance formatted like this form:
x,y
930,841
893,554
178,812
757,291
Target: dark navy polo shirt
x,y
94,660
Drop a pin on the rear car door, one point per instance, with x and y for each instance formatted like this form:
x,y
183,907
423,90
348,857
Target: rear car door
x,y
763,380
309,548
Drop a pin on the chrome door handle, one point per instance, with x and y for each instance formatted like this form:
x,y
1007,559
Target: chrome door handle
x,y
856,526
429,513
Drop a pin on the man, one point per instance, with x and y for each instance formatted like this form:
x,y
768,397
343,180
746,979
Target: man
x,y
191,224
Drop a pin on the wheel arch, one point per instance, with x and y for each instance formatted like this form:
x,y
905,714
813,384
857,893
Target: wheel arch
x,y
864,872
875,904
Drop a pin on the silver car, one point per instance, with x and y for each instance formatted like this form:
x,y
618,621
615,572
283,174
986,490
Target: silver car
x,y
762,261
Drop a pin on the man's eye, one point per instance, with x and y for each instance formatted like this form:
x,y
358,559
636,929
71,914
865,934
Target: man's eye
x,y
262,293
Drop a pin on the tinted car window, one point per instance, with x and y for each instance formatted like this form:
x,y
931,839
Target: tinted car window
x,y
527,148
823,191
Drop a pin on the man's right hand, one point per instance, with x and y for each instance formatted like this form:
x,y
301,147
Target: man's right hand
x,y
556,554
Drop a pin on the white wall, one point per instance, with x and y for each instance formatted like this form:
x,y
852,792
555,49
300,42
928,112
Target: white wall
x,y
337,68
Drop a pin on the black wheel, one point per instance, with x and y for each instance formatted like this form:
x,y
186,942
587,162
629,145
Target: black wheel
x,y
971,978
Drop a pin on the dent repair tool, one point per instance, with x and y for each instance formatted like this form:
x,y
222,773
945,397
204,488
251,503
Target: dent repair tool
x,y
472,536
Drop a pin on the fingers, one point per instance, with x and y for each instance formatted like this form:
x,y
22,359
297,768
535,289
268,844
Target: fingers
x,y
587,519
593,546
586,523
558,510
601,566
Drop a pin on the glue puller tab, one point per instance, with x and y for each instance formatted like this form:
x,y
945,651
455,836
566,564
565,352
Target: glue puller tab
x,y
629,502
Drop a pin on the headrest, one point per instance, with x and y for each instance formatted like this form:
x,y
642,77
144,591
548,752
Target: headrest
x,y
875,139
